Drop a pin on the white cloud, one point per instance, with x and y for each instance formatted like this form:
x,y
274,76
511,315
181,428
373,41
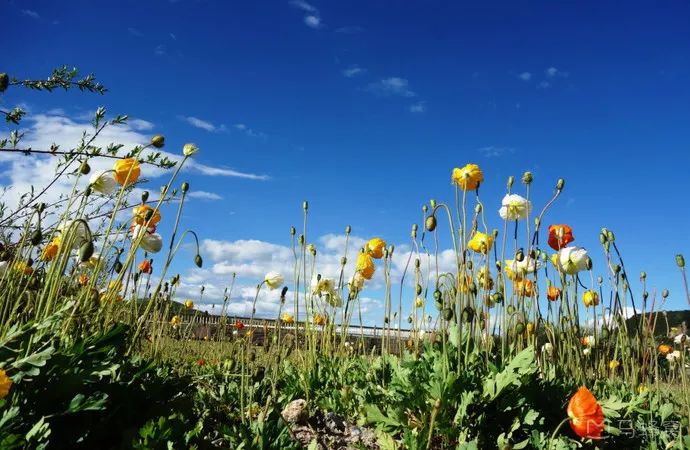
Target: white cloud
x,y
494,152
203,195
419,107
353,71
552,72
31,13
392,86
525,76
135,32
159,50
304,6
173,36
544,85
248,131
200,123
312,21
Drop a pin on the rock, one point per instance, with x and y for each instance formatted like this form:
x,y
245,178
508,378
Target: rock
x,y
295,411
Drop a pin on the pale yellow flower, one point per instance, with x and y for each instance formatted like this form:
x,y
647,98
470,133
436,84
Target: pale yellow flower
x,y
468,178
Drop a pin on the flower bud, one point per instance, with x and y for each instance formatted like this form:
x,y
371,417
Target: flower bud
x,y
600,280
84,168
430,223
343,261
520,255
469,265
41,207
527,177
85,251
425,209
305,205
158,141
447,314
494,233
432,202
602,238
417,263
198,261
4,82
292,231
478,208
312,249
645,295
117,266
283,293
664,293
610,236
185,187
390,249
144,197
559,184
616,269
414,230
511,179
301,239
36,237
348,229
680,261
419,289
588,263
643,276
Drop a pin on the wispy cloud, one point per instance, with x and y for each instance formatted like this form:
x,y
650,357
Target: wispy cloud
x,y
135,32
495,152
31,13
349,30
204,195
525,76
552,72
202,124
304,6
223,172
312,21
173,36
544,85
159,50
249,132
392,86
418,108
353,71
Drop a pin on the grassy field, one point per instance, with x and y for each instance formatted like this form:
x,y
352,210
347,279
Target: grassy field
x,y
519,346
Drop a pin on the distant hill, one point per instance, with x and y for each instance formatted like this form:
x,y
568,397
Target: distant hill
x,y
675,319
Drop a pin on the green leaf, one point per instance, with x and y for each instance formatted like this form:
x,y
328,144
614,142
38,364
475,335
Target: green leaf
x,y
665,411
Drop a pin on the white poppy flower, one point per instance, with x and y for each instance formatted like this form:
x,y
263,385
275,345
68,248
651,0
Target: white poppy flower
x,y
547,348
680,338
514,207
103,181
78,232
586,351
673,356
152,242
274,280
527,265
571,260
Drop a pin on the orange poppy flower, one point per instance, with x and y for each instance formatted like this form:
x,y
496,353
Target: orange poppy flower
x,y
586,415
665,349
127,171
83,280
524,287
145,266
560,236
239,324
553,293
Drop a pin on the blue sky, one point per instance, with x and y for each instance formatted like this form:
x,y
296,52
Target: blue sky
x,y
364,108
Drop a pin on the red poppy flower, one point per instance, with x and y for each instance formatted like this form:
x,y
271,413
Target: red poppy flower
x,y
239,325
200,362
145,266
586,415
560,236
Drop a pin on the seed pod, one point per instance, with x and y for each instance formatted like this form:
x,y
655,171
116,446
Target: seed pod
x,y
84,168
185,187
430,223
117,266
419,289
510,309
158,141
85,251
467,314
4,82
36,237
447,314
519,328
497,297
198,261
87,191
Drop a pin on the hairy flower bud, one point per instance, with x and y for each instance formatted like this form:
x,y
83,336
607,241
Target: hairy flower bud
x,y
559,184
305,205
144,197
432,202
158,141
664,293
189,149
198,261
520,255
185,187
292,231
36,237
84,168
85,251
680,261
348,229
511,180
478,208
343,261
414,230
610,236
4,82
643,276
527,177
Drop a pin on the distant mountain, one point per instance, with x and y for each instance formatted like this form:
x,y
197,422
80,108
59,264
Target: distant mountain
x,y
675,319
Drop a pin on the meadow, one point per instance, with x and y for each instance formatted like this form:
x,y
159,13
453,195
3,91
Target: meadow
x,y
520,346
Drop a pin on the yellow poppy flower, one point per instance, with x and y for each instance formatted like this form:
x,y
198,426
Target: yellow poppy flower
x,y
468,178
590,298
481,242
287,318
319,319
175,321
375,247
127,171
613,364
419,302
365,266
5,384
188,304
22,267
141,214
